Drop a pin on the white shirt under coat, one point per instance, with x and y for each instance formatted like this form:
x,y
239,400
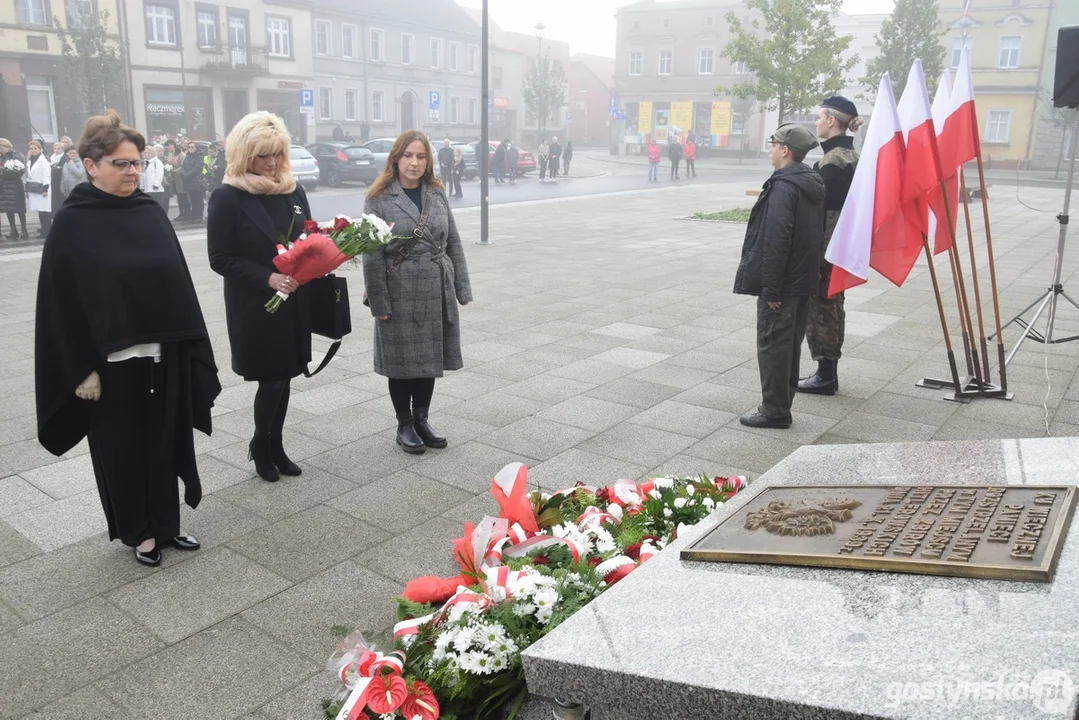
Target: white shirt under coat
x,y
153,177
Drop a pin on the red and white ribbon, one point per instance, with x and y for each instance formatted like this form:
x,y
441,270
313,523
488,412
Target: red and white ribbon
x,y
369,665
594,517
616,568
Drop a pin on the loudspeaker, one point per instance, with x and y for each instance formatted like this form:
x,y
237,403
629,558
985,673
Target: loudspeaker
x,y
1066,81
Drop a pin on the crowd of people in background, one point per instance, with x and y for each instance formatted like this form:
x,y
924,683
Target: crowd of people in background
x,y
677,152
41,179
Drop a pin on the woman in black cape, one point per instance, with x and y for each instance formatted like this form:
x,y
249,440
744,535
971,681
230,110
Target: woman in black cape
x,y
122,356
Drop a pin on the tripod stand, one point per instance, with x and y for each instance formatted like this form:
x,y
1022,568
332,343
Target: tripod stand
x,y
1049,297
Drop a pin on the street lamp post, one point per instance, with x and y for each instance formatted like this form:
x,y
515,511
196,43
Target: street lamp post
x,y
541,97
484,150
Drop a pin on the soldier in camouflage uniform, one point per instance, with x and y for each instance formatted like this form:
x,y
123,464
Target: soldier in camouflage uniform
x,y
824,332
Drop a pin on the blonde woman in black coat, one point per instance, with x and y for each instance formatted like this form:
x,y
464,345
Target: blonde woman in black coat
x,y
258,207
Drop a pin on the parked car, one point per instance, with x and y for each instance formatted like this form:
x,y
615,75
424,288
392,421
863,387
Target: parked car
x,y
304,167
381,148
526,161
344,162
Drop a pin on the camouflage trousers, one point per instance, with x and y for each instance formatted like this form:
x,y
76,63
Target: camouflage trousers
x,y
826,327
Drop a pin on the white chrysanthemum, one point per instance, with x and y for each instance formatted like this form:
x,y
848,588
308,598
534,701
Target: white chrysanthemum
x,y
667,512
546,598
464,639
680,502
571,533
477,662
543,615
382,230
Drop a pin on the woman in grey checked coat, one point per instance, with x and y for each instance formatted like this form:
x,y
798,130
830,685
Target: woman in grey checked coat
x,y
414,286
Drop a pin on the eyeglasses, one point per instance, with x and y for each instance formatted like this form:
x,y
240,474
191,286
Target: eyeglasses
x,y
125,165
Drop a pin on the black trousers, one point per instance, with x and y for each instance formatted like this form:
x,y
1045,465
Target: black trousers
x,y
691,167
138,486
779,350
11,221
183,202
674,167
45,218
553,168
455,186
196,199
409,393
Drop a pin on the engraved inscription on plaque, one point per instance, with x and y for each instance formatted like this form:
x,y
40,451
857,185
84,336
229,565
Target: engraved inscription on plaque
x,y
1006,532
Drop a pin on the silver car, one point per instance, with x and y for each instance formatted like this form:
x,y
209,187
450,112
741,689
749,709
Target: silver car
x,y
304,167
380,147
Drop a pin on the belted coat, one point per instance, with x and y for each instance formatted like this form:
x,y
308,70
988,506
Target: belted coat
x,y
422,338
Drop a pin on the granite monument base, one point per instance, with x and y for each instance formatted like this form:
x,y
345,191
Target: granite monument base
x,y
684,639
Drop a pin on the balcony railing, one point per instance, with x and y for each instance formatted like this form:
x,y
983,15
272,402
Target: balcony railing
x,y
225,60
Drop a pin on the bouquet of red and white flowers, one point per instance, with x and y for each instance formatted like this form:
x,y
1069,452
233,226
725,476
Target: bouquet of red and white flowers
x,y
458,640
322,248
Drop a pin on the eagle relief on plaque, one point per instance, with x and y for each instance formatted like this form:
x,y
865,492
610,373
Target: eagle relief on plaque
x,y
1007,532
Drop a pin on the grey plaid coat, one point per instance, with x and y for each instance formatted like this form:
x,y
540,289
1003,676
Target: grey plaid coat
x,y
422,338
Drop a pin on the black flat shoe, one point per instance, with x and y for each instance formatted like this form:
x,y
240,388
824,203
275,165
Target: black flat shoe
x,y
186,542
151,558
758,420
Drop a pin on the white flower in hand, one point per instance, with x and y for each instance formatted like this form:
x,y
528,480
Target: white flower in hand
x,y
90,388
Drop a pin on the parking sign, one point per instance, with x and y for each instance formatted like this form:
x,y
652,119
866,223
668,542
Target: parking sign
x,y
433,100
307,101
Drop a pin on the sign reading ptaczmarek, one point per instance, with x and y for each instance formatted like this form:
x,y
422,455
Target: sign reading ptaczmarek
x,y
1003,532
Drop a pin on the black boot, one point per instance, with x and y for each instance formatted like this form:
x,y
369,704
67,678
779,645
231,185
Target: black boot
x,y
407,438
280,458
824,382
431,437
277,445
259,451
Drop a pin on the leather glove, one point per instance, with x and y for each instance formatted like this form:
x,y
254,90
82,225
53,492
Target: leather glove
x,y
90,388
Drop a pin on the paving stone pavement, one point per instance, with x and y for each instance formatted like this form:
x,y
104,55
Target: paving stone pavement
x,y
604,343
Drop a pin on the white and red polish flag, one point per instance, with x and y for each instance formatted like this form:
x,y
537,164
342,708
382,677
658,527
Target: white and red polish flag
x,y
871,231
921,168
959,141
938,213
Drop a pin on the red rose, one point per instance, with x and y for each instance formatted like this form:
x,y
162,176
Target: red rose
x,y
633,552
603,495
595,560
310,227
540,560
340,224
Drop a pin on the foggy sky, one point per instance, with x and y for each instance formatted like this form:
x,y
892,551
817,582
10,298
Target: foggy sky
x,y
588,25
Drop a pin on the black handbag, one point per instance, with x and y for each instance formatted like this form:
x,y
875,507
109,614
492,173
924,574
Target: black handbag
x,y
331,316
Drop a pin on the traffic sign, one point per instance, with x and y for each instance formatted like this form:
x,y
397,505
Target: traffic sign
x,y
307,101
434,100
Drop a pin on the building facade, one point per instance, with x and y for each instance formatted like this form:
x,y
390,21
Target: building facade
x,y
197,68
36,99
591,83
384,67
1007,40
667,66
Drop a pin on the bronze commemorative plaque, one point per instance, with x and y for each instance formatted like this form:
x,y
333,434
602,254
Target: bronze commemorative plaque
x,y
1005,532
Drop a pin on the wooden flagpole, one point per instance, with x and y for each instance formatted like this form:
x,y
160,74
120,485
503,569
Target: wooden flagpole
x,y
974,274
943,319
993,275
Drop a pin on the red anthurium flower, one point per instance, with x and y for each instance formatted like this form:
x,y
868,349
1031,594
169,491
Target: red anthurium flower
x,y
430,589
310,227
420,703
595,560
341,223
633,552
386,693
